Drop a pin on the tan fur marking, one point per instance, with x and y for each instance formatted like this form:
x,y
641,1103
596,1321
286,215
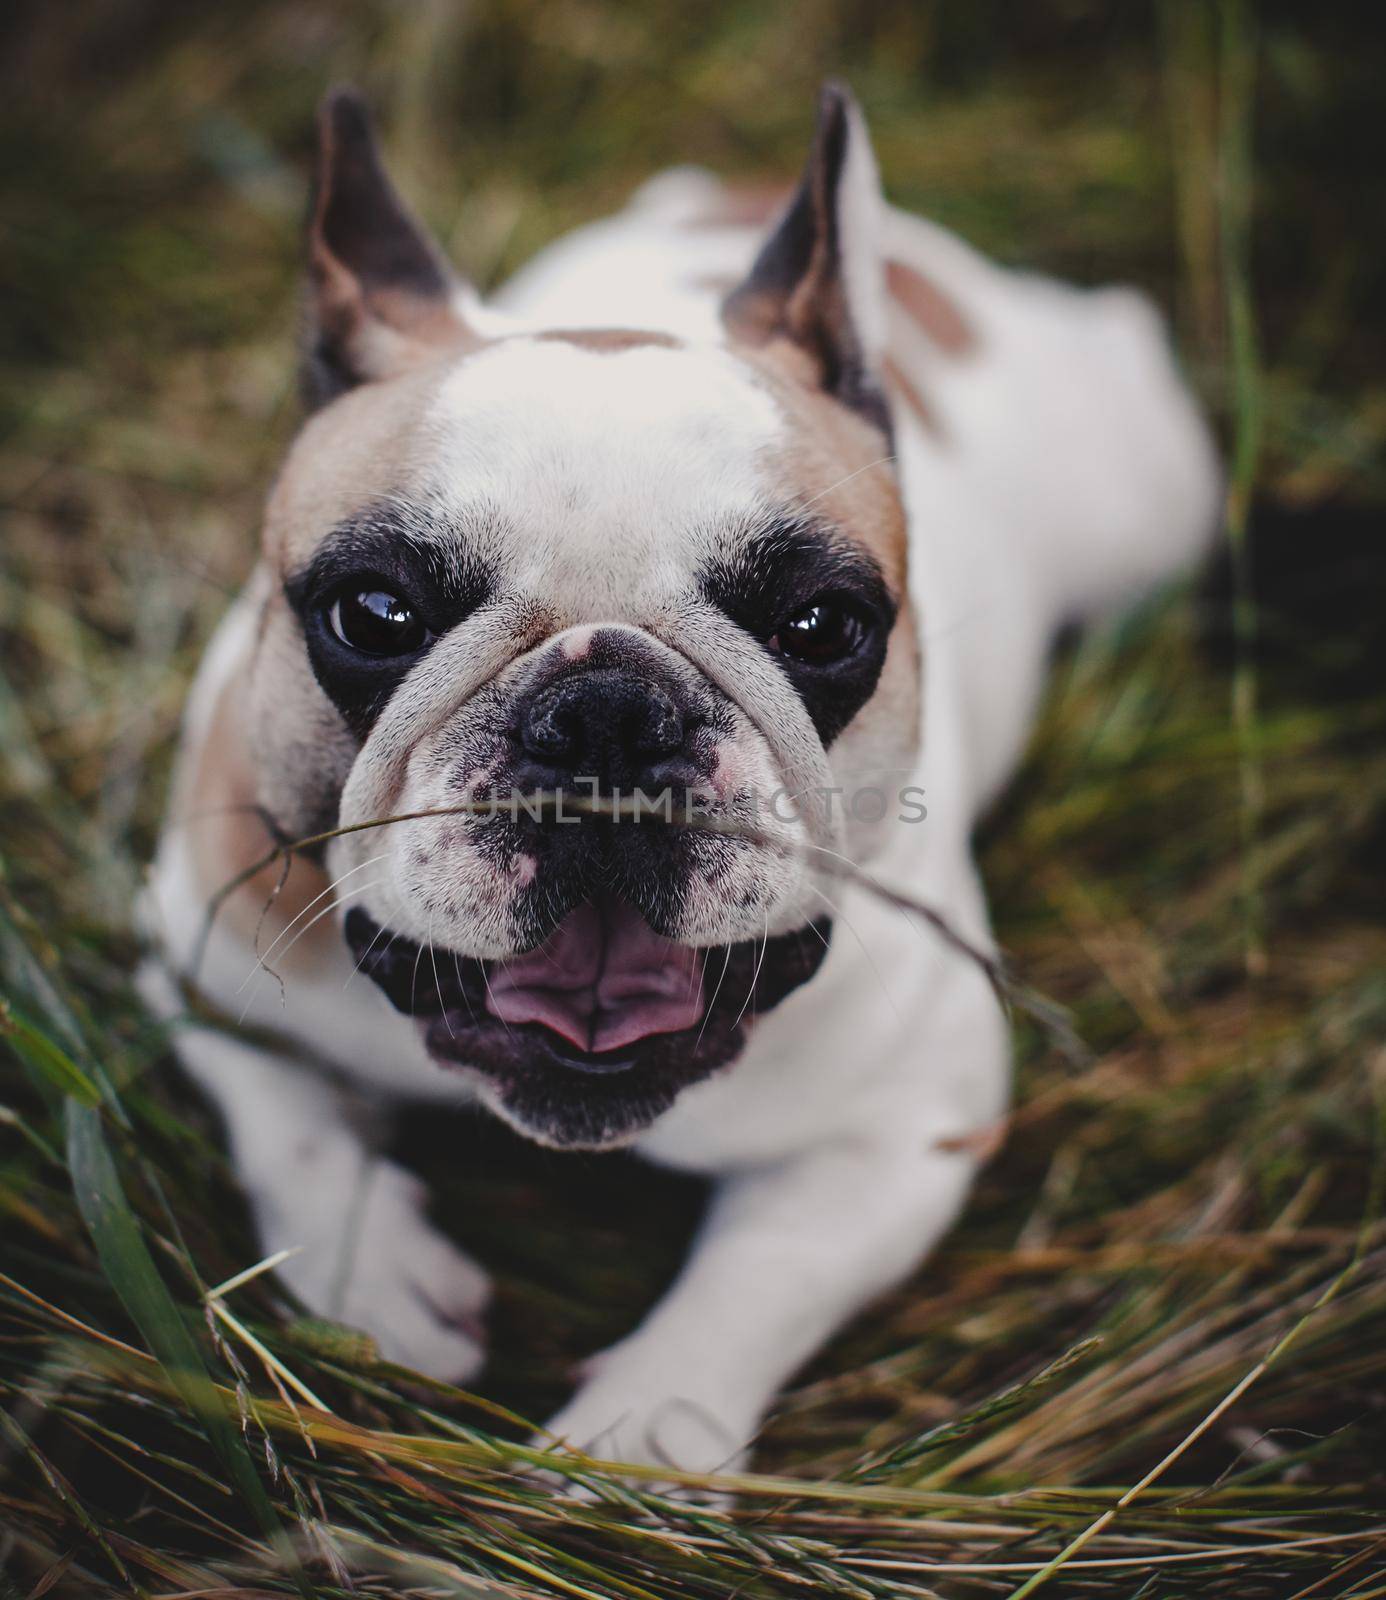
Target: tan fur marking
x,y
215,802
834,465
897,703
835,462
743,205
719,283
896,380
363,446
610,340
935,313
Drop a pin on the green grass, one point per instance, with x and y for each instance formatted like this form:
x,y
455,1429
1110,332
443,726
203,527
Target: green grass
x,y
1192,860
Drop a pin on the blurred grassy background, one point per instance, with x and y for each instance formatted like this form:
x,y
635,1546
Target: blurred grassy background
x,y
1185,1197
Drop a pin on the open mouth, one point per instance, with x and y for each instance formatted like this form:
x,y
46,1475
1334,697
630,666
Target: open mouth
x,y
592,1034
602,980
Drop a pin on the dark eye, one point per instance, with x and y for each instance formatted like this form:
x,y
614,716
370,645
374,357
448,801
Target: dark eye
x,y
822,632
377,623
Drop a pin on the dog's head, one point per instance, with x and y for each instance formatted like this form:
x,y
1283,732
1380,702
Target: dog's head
x,y
517,561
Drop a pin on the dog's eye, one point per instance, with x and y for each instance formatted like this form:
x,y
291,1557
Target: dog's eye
x,y
820,633
377,623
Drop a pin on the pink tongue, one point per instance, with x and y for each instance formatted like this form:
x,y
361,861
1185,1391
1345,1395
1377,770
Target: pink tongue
x,y
602,979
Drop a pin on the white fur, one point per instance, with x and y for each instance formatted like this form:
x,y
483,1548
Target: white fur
x,y
1069,471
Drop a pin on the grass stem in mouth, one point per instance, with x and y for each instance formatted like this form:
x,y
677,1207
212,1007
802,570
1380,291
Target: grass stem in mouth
x,y
1050,1017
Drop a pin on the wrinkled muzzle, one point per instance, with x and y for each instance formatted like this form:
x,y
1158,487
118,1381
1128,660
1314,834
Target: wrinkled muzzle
x,y
588,957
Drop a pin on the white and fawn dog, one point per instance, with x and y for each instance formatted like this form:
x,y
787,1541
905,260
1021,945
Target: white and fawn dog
x,y
773,508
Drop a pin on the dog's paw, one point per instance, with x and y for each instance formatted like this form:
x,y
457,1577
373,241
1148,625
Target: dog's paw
x,y
385,1269
645,1413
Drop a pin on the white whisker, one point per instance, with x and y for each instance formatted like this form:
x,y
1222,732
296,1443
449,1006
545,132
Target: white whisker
x,y
871,960
414,981
437,981
907,912
487,982
755,975
365,954
880,461
462,987
721,978
284,932
306,929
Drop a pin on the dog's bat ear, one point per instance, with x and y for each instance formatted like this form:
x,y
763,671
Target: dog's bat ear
x,y
817,281
381,295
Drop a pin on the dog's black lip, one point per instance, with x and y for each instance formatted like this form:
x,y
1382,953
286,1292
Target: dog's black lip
x,y
559,1051
558,1093
597,1063
448,1035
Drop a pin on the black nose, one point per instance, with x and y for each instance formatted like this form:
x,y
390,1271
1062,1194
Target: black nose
x,y
616,728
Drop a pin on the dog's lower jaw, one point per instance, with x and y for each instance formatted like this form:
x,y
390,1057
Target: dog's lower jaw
x,y
594,1138
526,1073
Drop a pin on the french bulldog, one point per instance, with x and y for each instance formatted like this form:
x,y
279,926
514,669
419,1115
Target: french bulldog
x,y
774,503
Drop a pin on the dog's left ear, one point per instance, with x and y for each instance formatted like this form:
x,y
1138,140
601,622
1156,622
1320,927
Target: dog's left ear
x,y
381,295
817,281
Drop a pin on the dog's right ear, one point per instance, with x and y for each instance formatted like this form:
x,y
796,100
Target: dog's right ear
x,y
817,283
381,295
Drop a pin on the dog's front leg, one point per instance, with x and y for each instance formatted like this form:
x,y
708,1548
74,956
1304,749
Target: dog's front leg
x,y
784,1257
364,1251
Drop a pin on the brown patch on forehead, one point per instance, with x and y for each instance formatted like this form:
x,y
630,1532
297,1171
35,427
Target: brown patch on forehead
x,y
834,461
610,340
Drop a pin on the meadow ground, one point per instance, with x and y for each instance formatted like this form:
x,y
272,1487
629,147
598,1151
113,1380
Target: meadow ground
x,y
1154,1349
